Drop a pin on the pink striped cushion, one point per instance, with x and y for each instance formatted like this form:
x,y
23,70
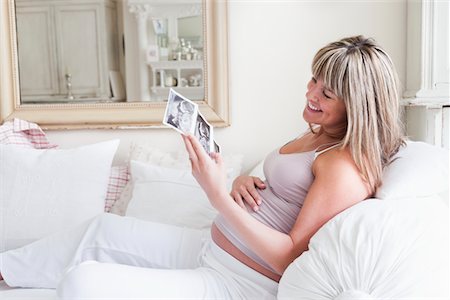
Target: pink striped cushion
x,y
20,132
117,180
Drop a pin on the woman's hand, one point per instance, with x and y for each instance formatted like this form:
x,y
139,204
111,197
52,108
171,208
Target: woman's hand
x,y
208,170
244,189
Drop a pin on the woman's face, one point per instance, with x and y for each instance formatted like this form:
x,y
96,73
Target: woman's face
x,y
323,107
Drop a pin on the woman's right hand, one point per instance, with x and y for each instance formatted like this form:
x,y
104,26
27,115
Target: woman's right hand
x,y
244,189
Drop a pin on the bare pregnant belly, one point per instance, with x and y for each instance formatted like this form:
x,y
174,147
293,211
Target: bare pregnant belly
x,y
221,241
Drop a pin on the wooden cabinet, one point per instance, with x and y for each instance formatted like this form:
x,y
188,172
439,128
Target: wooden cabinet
x,y
59,37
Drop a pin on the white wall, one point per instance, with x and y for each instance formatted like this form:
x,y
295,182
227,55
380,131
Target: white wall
x,y
271,45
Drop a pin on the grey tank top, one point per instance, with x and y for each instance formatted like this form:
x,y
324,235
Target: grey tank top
x,y
288,178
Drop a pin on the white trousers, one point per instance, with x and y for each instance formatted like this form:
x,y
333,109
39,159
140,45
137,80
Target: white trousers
x,y
113,257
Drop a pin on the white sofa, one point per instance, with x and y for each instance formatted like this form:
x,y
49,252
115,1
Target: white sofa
x,y
395,246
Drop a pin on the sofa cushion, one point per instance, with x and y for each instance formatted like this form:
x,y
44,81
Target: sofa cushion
x,y
379,249
418,169
43,191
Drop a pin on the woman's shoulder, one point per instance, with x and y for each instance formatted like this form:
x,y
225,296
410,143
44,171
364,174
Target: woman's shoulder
x,y
335,158
338,164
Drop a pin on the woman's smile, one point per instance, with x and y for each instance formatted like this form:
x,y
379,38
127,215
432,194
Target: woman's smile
x,y
313,107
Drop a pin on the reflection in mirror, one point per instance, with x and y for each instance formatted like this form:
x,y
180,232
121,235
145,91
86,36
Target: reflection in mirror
x,y
190,29
176,59
116,91
81,51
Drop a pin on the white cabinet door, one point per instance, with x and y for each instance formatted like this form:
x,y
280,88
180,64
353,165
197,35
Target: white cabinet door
x,y
62,37
80,52
37,51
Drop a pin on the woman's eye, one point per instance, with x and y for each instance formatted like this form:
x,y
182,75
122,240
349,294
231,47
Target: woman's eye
x,y
326,96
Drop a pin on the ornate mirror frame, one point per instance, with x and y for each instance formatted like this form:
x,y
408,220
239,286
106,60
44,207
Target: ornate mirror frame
x,y
215,106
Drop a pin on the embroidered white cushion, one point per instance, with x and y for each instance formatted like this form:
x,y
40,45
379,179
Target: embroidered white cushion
x,y
43,191
28,134
145,152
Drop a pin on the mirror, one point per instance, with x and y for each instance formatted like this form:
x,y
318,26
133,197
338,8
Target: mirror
x,y
173,47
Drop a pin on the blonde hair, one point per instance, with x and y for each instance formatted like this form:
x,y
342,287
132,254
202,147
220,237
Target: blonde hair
x,y
362,74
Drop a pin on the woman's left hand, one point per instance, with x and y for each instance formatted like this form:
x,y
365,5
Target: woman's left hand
x,y
208,170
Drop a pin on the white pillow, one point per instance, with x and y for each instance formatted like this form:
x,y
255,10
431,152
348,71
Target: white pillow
x,y
42,191
168,196
376,250
144,152
419,170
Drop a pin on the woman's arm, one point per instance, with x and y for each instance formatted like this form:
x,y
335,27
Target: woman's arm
x,y
337,186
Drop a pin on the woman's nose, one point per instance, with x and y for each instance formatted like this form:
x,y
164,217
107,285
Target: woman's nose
x,y
313,93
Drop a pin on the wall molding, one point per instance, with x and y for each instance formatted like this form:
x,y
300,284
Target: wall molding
x,y
427,77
